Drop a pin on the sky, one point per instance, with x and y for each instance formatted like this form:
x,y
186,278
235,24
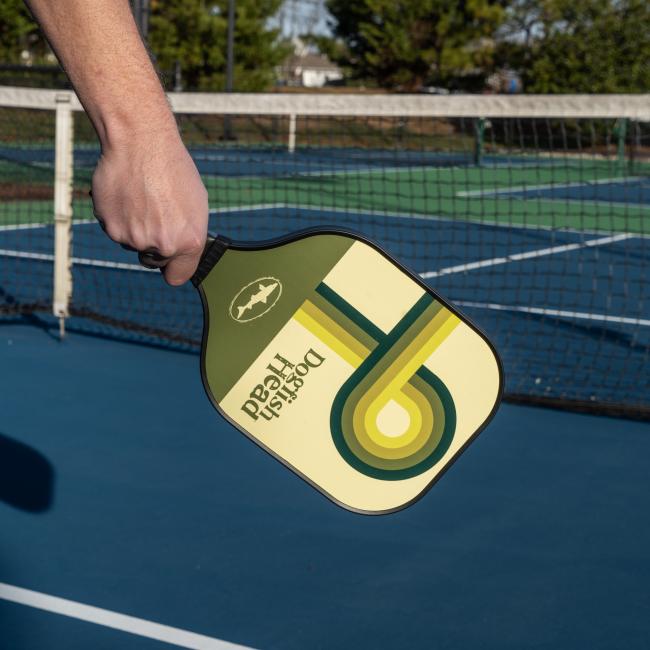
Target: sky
x,y
301,16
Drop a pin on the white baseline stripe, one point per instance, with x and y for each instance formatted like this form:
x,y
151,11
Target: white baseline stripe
x,y
543,311
517,257
106,618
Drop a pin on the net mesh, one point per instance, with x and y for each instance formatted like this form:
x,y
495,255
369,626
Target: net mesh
x,y
532,217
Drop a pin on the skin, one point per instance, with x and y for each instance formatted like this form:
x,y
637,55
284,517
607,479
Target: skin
x,y
146,190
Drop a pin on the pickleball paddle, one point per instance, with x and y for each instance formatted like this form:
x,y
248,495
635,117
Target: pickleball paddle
x,y
342,364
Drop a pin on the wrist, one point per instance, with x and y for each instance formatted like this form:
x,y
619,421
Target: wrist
x,y
122,127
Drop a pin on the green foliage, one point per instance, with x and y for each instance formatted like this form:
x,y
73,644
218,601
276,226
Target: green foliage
x,y
194,33
579,46
406,44
18,31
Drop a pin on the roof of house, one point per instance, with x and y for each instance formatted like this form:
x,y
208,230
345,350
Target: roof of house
x,y
311,61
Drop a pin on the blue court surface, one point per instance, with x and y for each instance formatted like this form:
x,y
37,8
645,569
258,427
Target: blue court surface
x,y
133,517
627,191
276,160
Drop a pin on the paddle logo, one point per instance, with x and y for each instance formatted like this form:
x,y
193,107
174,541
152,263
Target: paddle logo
x,y
255,299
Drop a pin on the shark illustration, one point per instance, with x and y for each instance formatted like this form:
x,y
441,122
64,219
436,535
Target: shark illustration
x,y
262,295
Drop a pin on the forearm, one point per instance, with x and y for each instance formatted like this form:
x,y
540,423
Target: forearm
x,y
98,44
147,192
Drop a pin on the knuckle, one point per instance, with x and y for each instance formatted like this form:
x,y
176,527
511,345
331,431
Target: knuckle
x,y
195,243
166,249
137,241
114,232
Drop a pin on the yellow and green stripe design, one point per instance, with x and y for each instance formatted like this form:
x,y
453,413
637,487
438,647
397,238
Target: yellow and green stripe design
x,y
393,418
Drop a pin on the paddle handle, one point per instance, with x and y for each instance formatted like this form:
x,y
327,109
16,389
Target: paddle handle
x,y
215,247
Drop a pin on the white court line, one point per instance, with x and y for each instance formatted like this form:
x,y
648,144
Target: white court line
x,y
625,320
584,203
547,186
43,257
367,171
107,618
247,208
517,257
80,261
24,226
108,264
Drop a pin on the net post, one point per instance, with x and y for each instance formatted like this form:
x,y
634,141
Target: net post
x,y
479,133
292,133
63,170
621,134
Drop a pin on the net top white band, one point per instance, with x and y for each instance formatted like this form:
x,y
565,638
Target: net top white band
x,y
635,107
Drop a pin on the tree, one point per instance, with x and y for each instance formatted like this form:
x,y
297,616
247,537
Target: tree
x,y
18,32
194,33
406,44
578,46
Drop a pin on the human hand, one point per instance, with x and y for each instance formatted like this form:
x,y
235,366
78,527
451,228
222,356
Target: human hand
x,y
148,196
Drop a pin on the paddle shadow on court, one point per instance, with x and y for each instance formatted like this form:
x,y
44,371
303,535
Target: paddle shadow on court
x,y
26,477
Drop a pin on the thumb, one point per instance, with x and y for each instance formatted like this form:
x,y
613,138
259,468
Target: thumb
x,y
181,268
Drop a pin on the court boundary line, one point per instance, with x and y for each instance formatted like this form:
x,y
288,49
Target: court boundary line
x,y
526,255
590,203
114,620
562,313
80,261
518,193
545,186
24,226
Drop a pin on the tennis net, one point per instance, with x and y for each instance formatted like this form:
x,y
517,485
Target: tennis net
x,y
530,213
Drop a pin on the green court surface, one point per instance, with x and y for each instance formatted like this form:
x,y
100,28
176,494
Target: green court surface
x,y
463,194
586,195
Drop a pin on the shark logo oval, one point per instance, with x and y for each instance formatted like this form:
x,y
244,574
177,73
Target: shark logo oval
x,y
255,299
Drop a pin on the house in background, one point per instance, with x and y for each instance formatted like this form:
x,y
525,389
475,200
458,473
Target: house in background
x,y
307,69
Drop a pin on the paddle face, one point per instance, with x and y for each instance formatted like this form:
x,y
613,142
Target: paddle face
x,y
344,366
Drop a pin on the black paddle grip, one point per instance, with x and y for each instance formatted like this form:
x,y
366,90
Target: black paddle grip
x,y
214,249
